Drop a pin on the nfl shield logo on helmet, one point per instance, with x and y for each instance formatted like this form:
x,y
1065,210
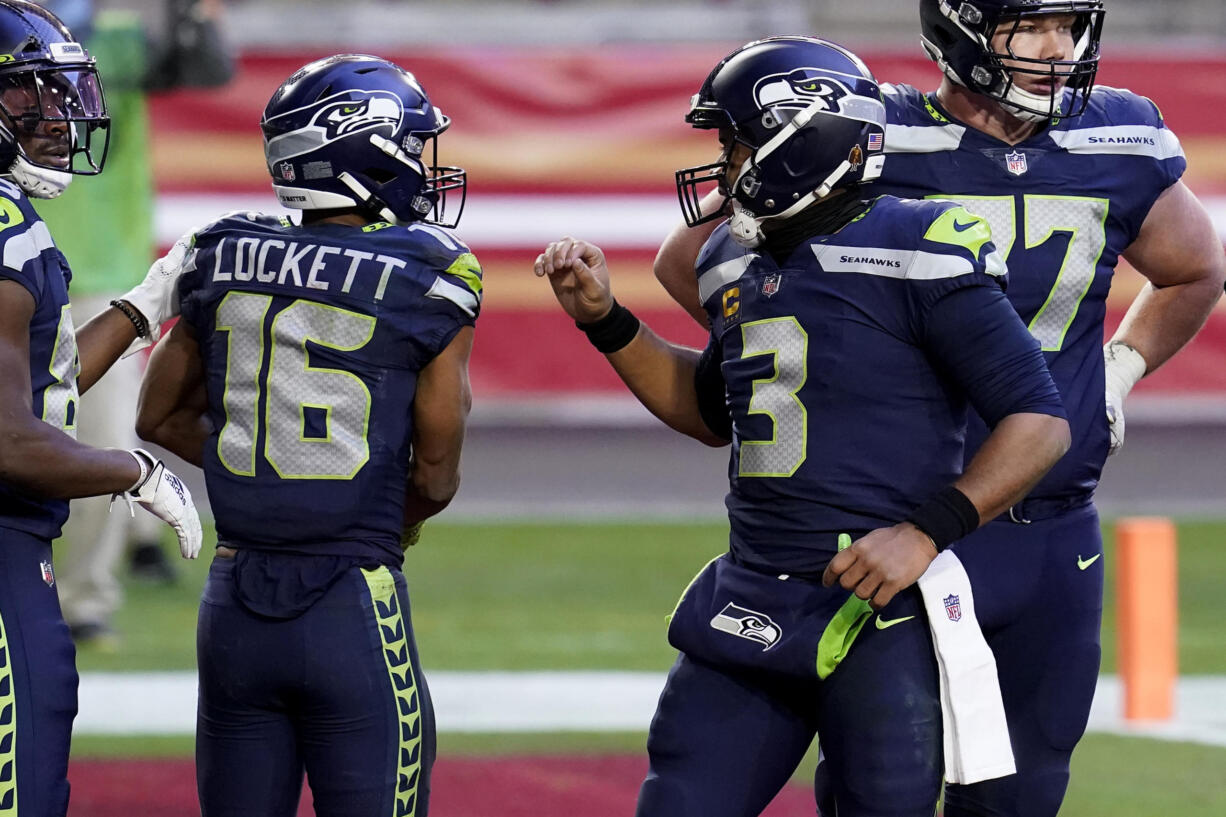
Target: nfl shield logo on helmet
x,y
48,573
1016,162
771,284
287,171
953,607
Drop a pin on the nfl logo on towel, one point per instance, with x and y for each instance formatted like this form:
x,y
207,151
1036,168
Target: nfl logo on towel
x,y
953,607
48,573
1016,162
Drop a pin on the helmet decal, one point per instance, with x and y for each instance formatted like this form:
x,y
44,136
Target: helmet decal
x,y
799,89
352,131
349,116
810,114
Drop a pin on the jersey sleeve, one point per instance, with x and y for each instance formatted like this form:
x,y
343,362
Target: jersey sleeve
x,y
454,289
975,336
955,251
21,240
1154,153
712,391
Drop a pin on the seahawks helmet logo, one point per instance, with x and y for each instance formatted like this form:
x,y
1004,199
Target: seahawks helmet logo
x,y
800,88
748,624
347,116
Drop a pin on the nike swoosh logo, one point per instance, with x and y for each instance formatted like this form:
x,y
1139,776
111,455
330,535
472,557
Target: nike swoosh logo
x,y
964,227
882,624
1082,564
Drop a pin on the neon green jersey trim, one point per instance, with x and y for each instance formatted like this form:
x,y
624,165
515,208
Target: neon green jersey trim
x,y
468,270
960,228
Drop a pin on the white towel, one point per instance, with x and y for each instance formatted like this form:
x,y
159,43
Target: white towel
x,y
972,712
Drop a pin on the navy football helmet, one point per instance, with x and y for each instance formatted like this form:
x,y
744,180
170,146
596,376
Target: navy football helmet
x,y
812,116
349,131
957,34
54,123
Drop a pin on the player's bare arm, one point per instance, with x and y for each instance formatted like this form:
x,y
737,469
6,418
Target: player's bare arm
x,y
100,342
172,411
1021,449
34,455
440,411
659,373
1178,250
674,264
1180,253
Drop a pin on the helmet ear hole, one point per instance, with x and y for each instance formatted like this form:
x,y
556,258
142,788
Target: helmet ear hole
x,y
798,160
379,175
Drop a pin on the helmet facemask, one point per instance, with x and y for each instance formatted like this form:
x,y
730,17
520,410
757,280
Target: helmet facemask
x,y
994,73
52,119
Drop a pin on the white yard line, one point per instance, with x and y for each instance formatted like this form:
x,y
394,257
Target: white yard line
x,y
164,703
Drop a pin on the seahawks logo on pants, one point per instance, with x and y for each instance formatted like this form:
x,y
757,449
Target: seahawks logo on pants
x,y
755,626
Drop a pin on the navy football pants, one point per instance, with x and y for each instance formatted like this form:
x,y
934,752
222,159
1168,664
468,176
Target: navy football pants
x,y
38,682
1039,599
723,743
336,691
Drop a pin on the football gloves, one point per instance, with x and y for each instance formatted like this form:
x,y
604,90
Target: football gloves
x,y
1124,366
165,496
157,297
410,536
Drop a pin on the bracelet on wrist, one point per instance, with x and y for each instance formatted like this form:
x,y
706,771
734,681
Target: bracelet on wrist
x,y
614,331
946,517
133,314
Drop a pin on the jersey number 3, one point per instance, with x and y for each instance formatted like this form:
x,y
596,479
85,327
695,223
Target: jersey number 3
x,y
315,418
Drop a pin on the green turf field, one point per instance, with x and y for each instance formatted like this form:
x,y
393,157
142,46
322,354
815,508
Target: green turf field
x,y
591,596
594,596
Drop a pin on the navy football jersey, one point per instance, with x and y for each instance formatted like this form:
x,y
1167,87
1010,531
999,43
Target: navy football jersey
x,y
31,259
313,338
1062,206
848,370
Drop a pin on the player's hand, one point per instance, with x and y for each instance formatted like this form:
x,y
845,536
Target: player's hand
x,y
1123,366
157,297
879,565
165,496
579,276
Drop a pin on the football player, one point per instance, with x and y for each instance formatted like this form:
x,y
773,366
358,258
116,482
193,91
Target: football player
x,y
848,337
1071,177
53,125
320,376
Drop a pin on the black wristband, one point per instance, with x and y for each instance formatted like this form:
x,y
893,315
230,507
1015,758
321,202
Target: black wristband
x,y
946,517
614,331
133,314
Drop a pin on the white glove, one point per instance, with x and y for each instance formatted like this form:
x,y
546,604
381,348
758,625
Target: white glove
x,y
165,496
1124,367
157,297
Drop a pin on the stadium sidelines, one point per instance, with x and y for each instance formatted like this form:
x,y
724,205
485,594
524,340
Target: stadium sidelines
x,y
164,703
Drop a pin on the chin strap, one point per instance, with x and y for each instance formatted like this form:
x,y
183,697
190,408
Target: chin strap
x,y
1016,101
39,182
747,230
